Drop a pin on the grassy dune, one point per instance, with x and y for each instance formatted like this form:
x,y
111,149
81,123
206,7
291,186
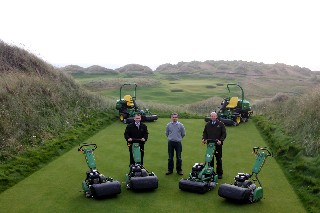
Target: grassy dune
x,y
56,187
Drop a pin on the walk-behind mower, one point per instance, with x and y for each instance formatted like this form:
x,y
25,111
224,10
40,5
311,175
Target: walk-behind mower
x,y
234,110
203,178
127,107
139,178
244,189
96,185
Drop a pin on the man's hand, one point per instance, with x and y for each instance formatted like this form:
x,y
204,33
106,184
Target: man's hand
x,y
143,140
219,142
129,139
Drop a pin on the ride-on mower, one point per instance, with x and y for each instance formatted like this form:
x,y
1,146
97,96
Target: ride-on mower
x,y
203,178
234,110
127,107
96,185
244,188
139,178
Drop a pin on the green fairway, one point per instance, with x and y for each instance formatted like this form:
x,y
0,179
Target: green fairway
x,y
56,187
183,91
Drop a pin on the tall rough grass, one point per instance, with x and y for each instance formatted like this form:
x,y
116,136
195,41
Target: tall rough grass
x,y
298,115
291,126
37,102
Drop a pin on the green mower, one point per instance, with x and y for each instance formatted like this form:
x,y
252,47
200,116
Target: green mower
x,y
128,108
139,178
96,185
203,178
244,189
234,110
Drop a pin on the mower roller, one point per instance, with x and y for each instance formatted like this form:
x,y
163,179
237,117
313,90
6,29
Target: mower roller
x,y
203,178
139,178
96,185
128,108
244,189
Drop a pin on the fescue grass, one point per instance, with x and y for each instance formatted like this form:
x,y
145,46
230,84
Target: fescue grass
x,y
56,187
37,102
35,157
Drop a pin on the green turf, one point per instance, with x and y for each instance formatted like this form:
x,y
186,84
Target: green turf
x,y
56,187
185,91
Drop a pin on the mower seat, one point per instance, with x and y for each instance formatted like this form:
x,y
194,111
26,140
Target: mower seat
x,y
129,100
232,103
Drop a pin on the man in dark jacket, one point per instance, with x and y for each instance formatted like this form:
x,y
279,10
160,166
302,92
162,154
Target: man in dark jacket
x,y
215,130
134,131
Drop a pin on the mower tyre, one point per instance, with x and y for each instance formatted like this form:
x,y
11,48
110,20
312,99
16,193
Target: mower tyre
x,y
149,118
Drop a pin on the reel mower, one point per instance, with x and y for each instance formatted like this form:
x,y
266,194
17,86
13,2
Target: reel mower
x,y
234,110
203,178
244,189
139,178
96,185
128,108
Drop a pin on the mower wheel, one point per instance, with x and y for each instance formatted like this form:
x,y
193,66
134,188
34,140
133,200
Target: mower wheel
x,y
149,118
122,117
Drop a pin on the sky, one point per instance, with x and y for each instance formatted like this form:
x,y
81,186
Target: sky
x,y
154,32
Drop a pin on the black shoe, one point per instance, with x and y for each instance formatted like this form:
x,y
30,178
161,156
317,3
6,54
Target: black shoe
x,y
169,173
179,172
219,176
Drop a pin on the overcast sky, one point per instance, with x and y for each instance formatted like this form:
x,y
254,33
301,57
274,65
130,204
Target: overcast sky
x,y
153,32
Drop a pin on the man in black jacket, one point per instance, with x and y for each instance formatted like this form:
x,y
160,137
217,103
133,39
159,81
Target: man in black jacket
x,y
134,131
215,130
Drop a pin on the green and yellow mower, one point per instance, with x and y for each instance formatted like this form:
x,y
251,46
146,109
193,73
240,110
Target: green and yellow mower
x,y
128,108
96,185
139,178
244,189
203,178
234,110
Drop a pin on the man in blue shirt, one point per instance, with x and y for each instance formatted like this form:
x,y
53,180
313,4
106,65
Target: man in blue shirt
x,y
175,131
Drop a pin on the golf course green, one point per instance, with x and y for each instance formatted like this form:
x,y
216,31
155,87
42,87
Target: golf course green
x,y
57,186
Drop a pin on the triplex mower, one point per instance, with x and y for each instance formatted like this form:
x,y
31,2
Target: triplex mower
x,y
203,178
234,110
244,189
96,185
127,107
139,178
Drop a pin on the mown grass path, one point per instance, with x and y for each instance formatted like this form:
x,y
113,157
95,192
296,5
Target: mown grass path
x,y
57,186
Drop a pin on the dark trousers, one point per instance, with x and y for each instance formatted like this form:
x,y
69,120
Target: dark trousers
x,y
131,154
172,145
218,155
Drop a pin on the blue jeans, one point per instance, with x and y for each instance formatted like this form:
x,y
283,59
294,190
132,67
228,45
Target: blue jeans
x,y
173,145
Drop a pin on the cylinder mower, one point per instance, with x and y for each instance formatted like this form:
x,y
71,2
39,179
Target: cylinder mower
x,y
244,189
96,185
127,107
234,110
139,178
203,178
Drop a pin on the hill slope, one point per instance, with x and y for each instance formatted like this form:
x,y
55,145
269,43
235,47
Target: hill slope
x,y
37,102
